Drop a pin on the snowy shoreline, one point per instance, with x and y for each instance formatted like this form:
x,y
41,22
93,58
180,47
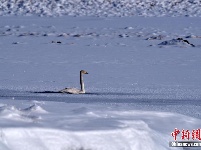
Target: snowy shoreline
x,y
189,8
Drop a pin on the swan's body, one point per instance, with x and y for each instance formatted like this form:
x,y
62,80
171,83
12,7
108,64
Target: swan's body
x,y
74,90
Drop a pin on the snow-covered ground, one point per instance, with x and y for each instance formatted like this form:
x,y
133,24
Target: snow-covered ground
x,y
143,82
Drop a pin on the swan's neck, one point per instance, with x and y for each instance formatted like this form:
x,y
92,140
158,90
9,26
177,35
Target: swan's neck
x,y
82,83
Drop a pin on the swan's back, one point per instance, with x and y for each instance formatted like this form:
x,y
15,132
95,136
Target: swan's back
x,y
72,91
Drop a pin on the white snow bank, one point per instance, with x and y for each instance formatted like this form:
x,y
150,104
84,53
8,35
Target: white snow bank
x,y
51,139
28,114
88,127
101,7
35,108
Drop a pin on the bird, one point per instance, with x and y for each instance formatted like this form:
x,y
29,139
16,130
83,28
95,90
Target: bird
x,y
74,90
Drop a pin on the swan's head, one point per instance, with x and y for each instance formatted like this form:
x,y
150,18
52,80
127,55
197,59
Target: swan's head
x,y
83,72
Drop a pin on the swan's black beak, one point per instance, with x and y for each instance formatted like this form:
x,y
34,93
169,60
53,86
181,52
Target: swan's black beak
x,y
86,73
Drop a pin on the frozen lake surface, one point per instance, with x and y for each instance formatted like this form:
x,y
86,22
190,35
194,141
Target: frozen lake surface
x,y
143,82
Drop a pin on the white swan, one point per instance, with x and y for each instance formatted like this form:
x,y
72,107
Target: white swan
x,y
74,90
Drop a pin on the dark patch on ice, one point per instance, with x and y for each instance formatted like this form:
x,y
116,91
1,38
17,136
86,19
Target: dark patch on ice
x,y
123,35
192,36
158,37
63,35
15,43
178,41
77,35
114,94
47,92
28,34
57,42
129,28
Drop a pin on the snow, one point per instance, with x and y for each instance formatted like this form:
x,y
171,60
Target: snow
x,y
143,81
87,126
190,8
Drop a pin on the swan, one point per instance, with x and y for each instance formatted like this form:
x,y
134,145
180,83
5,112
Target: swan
x,y
74,90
